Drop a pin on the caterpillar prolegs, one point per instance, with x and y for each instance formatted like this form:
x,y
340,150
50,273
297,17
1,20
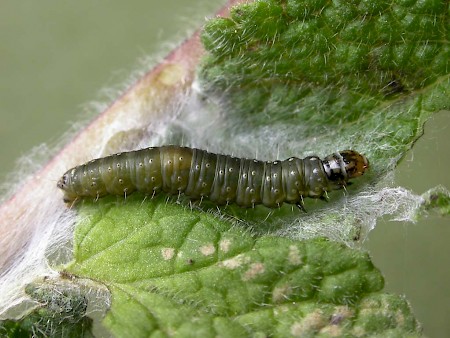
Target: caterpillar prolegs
x,y
222,179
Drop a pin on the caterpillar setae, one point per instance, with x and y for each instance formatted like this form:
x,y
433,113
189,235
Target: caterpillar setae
x,y
222,179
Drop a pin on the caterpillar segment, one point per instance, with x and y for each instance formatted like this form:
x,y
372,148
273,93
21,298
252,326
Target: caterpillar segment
x,y
222,179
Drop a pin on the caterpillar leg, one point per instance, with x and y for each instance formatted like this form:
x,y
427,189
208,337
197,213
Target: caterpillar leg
x,y
301,206
325,197
344,188
143,201
72,203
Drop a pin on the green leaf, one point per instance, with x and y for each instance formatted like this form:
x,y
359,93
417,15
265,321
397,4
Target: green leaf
x,y
319,74
438,199
176,271
60,312
334,75
363,74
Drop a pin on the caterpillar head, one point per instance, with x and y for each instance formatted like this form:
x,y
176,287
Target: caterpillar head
x,y
355,164
345,165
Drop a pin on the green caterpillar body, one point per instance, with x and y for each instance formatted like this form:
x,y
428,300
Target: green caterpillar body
x,y
222,179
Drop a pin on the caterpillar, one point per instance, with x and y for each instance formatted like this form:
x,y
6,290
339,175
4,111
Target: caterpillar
x,y
222,179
